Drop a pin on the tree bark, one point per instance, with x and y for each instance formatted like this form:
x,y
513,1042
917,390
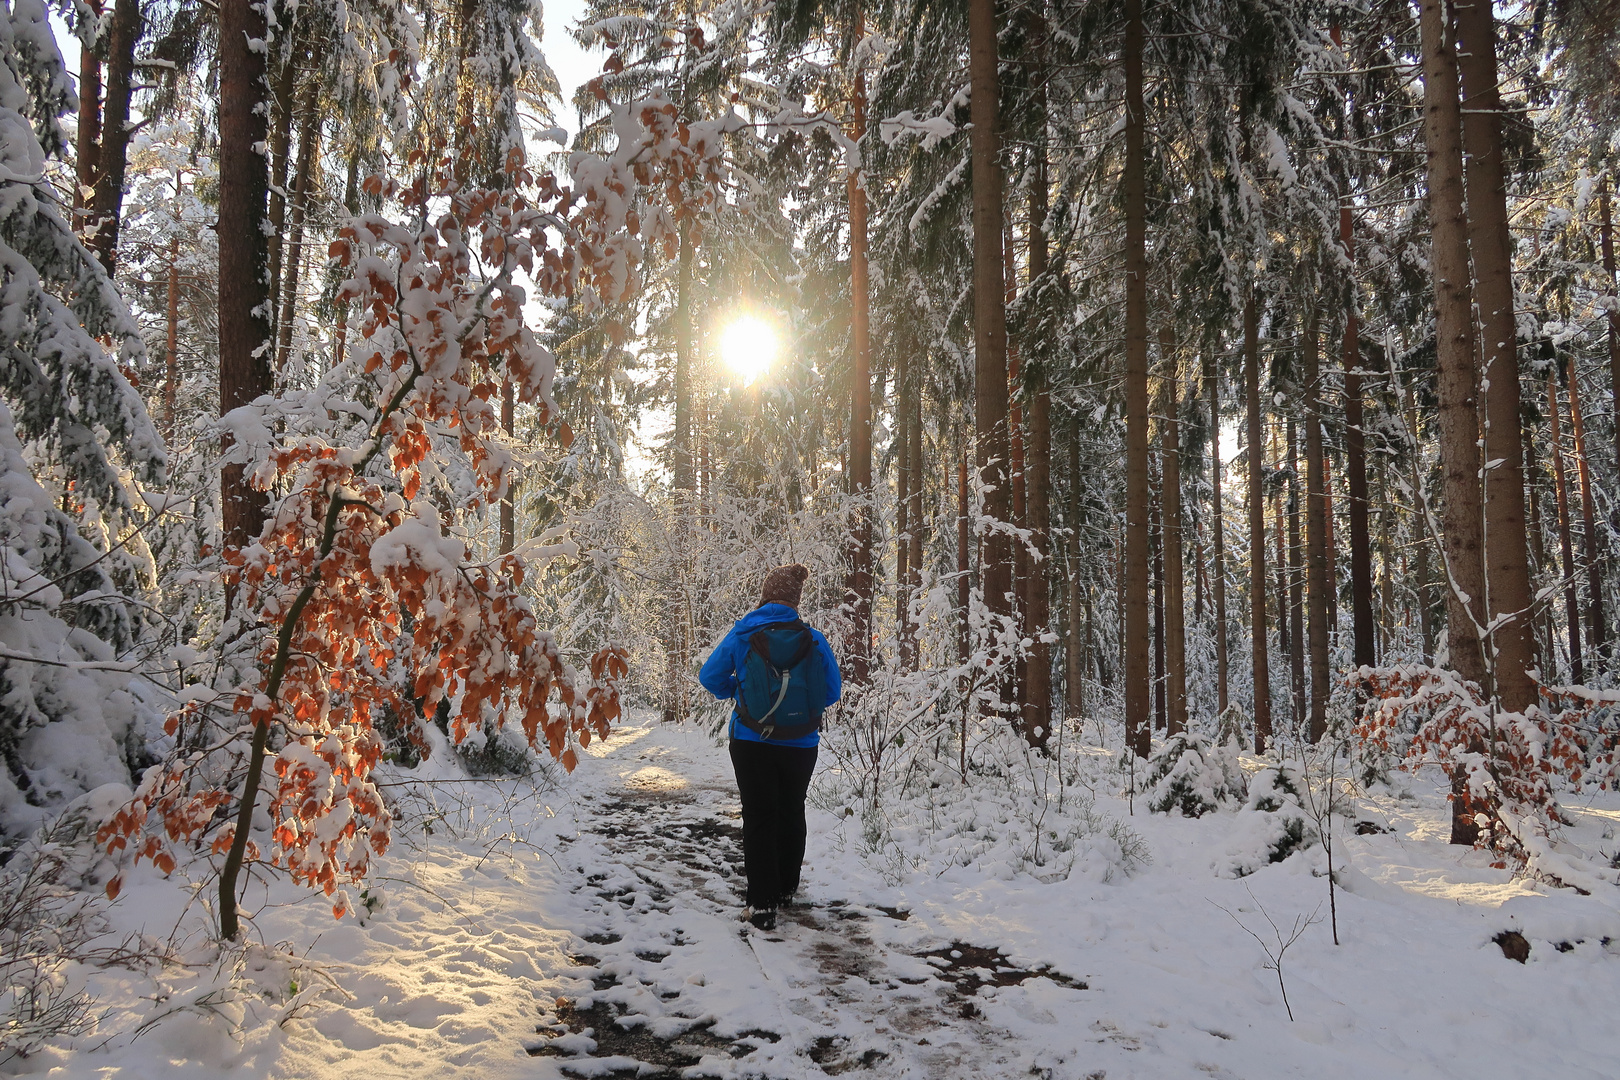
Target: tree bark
x,y
902,501
1455,377
1075,651
309,137
1318,582
1572,604
1296,581
1135,641
1212,380
1254,444
1037,702
1596,631
964,566
113,158
171,341
1175,628
859,586
989,311
280,146
1355,463
88,147
244,372
1156,573
1606,243
1507,571
683,465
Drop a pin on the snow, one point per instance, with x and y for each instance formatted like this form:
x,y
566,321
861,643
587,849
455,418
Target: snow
x,y
600,916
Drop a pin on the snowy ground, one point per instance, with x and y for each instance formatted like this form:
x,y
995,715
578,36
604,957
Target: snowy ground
x,y
592,930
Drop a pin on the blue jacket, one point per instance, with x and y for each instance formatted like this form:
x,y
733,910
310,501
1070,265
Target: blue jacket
x,y
719,674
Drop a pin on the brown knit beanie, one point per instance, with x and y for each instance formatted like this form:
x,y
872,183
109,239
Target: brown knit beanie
x,y
785,585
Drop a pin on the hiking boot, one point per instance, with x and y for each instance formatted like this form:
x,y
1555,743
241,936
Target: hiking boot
x,y
762,918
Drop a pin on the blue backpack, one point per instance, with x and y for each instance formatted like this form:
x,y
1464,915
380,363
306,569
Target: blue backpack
x,y
783,686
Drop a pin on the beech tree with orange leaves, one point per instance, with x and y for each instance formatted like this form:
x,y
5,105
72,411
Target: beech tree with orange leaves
x,y
355,580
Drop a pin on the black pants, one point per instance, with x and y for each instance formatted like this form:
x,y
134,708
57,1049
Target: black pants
x,y
772,781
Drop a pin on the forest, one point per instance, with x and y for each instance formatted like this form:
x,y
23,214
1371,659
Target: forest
x,y
1199,420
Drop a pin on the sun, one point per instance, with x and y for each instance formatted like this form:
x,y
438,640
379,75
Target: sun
x,y
748,346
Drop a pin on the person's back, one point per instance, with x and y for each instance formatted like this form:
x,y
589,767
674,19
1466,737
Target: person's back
x,y
780,674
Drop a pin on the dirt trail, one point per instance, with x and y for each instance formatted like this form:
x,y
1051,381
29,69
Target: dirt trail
x,y
671,979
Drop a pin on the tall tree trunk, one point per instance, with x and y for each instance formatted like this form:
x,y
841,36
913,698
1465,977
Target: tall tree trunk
x,y
244,371
280,145
1596,632
87,155
1254,444
989,311
1425,600
171,341
1507,570
1279,530
1296,580
902,501
113,159
1455,377
1134,642
964,565
1319,583
1175,627
509,501
1075,648
1572,604
1606,242
1212,380
351,205
1037,701
919,527
859,586
1015,477
684,465
1156,571
309,137
1355,462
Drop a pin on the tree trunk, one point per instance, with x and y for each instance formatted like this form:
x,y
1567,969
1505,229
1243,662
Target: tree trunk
x,y
1606,241
989,312
1175,628
1355,464
1296,580
1572,604
1075,651
1254,444
1037,702
113,159
1318,581
88,147
309,137
964,566
509,501
918,527
902,502
351,205
1596,631
1135,641
1212,380
1015,477
1156,570
171,341
1455,381
1425,600
244,372
286,83
1507,571
859,587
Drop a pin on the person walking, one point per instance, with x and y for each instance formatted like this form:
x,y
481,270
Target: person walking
x,y
780,675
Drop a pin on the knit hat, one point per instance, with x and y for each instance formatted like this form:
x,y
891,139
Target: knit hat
x,y
785,585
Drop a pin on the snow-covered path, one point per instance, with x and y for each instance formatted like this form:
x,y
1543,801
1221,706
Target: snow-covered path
x,y
669,977
592,929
